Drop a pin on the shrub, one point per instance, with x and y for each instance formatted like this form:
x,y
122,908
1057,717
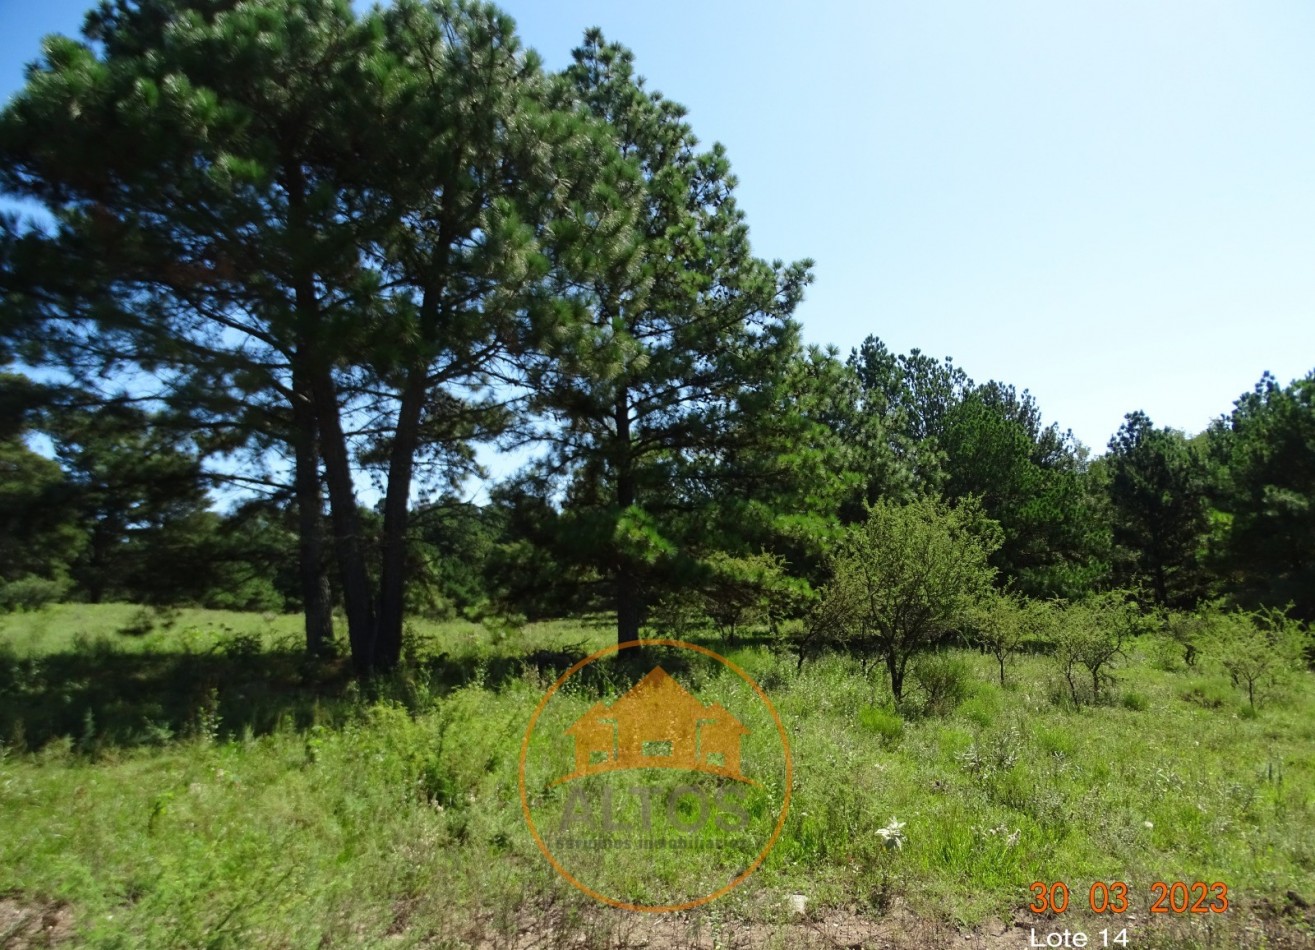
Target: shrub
x,y
242,647
1089,639
734,594
944,681
1260,651
139,624
988,757
1187,632
1003,622
30,593
676,615
1137,702
1208,692
250,594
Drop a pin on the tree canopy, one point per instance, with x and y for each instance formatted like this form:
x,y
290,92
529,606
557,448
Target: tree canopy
x,y
295,263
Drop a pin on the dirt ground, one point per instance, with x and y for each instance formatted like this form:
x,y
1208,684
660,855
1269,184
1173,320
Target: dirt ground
x,y
900,929
26,924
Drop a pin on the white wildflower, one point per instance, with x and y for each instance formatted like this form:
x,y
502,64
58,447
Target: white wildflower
x,y
893,834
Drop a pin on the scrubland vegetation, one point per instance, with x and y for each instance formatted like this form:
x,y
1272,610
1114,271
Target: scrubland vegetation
x,y
207,785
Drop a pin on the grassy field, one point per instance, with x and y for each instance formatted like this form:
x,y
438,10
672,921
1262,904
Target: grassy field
x,y
203,785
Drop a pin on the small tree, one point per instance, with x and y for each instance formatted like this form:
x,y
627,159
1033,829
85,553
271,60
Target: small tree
x,y
908,576
1003,623
740,591
1188,631
824,622
1090,637
1260,651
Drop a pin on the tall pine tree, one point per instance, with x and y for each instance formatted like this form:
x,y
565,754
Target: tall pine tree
x,y
677,320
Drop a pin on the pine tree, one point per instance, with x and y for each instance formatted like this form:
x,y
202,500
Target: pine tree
x,y
676,321
1157,491
314,233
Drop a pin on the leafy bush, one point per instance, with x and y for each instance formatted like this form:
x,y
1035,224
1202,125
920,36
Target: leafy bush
x,y
1089,639
906,578
243,647
30,593
944,680
1137,702
1260,651
1001,623
988,757
251,593
734,594
139,624
676,615
1185,635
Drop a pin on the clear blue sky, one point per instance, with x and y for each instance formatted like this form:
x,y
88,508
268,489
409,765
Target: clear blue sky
x,y
1111,203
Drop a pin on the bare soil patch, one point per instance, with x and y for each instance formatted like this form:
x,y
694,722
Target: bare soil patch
x,y
25,922
898,929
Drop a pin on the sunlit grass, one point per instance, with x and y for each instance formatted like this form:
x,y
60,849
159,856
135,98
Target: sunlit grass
x,y
239,800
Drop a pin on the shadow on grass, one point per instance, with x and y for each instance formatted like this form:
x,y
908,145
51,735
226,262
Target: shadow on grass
x,y
99,698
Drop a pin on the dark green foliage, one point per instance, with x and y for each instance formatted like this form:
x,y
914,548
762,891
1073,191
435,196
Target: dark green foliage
x,y
1157,489
253,560
317,232
953,437
913,397
796,456
30,592
39,532
739,592
141,501
318,246
450,556
1029,478
677,328
1265,453
540,564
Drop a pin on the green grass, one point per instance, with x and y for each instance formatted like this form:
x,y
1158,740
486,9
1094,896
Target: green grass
x,y
204,785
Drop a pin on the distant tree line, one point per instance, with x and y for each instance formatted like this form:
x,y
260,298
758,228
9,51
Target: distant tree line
x,y
286,251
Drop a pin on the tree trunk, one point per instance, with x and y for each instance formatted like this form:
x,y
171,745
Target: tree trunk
x,y
392,577
628,612
896,670
95,582
346,523
315,377
627,606
315,595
